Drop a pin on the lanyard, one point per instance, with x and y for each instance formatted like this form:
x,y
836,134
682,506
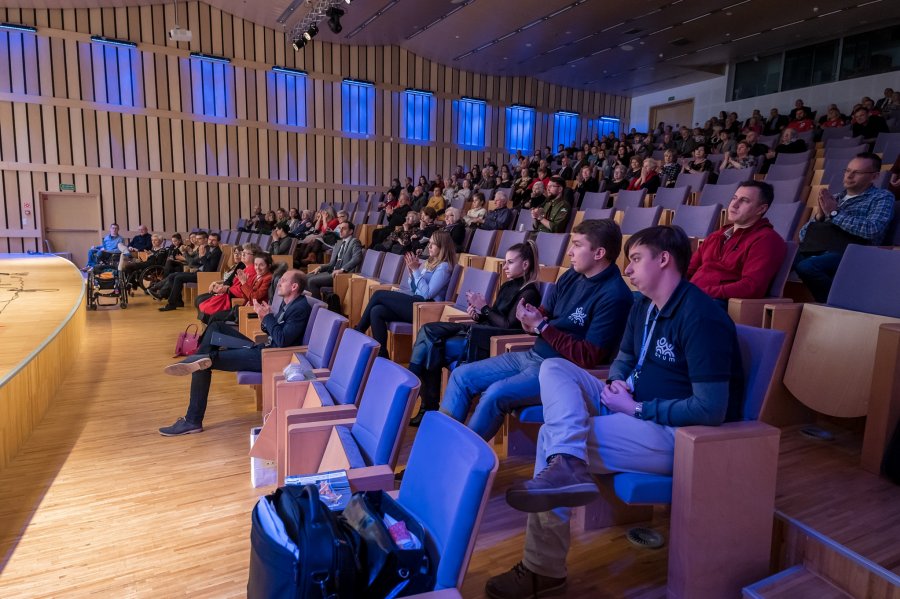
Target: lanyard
x,y
645,345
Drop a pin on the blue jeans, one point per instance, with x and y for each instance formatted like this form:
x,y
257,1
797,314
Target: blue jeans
x,y
505,382
817,272
228,360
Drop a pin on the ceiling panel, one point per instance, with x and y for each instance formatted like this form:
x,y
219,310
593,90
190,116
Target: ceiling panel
x,y
623,47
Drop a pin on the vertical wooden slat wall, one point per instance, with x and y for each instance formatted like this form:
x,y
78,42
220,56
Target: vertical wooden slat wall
x,y
130,124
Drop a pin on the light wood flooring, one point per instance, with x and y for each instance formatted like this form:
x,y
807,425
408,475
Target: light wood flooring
x,y
98,504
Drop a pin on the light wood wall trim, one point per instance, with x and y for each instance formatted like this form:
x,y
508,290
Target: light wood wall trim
x,y
159,163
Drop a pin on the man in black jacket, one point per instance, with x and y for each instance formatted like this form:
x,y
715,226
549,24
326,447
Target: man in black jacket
x,y
285,329
396,218
210,257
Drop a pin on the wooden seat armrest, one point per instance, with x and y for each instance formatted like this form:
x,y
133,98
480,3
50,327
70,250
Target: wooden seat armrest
x,y
319,414
473,260
782,317
501,343
285,354
312,267
884,398
206,279
305,446
458,318
425,312
492,264
371,478
729,432
750,311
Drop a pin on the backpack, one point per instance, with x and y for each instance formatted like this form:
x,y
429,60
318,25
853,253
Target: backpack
x,y
326,564
333,302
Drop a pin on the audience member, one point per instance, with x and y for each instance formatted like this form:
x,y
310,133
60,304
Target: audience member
x,y
678,365
476,214
251,283
867,125
586,182
281,241
396,218
582,321
775,123
647,179
860,214
284,329
401,238
669,170
537,197
210,255
345,257
885,100
455,228
553,215
112,243
740,159
699,164
501,217
442,344
427,281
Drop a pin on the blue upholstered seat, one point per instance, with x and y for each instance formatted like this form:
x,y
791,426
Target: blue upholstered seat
x,y
351,450
400,328
643,488
449,506
531,414
247,377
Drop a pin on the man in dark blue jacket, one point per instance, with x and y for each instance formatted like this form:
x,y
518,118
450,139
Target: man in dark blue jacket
x,y
679,365
210,255
285,329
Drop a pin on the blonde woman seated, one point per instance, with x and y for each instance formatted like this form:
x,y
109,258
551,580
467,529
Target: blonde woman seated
x,y
427,281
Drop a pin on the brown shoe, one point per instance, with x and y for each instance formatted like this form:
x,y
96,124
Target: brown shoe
x,y
186,368
565,482
522,583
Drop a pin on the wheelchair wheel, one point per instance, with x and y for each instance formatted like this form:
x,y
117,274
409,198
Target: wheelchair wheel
x,y
151,275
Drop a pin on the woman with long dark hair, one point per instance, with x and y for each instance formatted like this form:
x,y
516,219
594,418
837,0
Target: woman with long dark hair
x,y
441,344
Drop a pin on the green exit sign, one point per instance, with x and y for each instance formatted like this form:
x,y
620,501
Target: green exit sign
x,y
67,187
670,98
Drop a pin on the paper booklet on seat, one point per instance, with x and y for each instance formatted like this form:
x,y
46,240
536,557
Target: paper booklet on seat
x,y
334,487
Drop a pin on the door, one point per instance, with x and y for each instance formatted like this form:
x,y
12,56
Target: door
x,y
71,223
674,113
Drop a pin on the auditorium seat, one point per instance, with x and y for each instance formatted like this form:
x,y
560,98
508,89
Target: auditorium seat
x,y
481,246
628,199
798,158
388,274
697,221
449,506
340,282
736,175
883,140
844,152
594,199
473,280
669,199
839,136
695,181
833,347
717,194
524,221
785,218
785,171
506,241
786,190
367,445
637,218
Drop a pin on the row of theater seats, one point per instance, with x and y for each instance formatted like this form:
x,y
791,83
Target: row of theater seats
x,y
367,400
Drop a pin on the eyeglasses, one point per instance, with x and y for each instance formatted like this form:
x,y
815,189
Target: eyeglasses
x,y
853,173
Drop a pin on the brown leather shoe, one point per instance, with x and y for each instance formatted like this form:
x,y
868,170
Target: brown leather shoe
x,y
522,583
565,482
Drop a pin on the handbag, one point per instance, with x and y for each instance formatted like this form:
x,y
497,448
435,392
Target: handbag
x,y
216,303
187,342
389,570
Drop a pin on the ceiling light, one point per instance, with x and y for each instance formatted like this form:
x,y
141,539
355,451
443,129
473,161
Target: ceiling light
x,y
334,15
298,44
311,32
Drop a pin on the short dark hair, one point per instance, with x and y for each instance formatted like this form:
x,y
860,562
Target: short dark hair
x,y
558,180
871,157
477,196
664,238
350,225
201,234
266,256
766,191
430,212
283,228
602,233
216,235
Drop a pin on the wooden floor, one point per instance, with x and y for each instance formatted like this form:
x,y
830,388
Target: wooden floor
x,y
98,504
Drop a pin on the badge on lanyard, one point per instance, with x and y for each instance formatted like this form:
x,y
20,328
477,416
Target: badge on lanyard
x,y
645,345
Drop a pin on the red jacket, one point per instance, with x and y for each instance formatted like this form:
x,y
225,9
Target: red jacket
x,y
740,267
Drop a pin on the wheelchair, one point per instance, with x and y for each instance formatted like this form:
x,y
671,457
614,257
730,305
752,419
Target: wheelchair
x,y
104,282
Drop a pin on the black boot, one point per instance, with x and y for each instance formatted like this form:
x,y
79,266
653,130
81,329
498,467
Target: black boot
x,y
417,419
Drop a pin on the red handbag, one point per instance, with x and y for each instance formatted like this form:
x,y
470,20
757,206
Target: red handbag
x,y
187,342
216,303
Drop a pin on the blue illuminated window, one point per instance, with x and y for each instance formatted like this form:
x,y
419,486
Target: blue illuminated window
x,y
358,103
607,125
18,47
471,114
416,125
114,67
288,89
212,82
565,127
520,128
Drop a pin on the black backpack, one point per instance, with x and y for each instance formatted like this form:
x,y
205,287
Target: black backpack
x,y
327,566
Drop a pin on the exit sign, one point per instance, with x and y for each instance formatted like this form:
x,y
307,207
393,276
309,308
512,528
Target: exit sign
x,y
67,187
670,98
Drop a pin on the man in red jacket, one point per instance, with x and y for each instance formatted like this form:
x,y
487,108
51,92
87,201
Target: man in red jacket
x,y
740,259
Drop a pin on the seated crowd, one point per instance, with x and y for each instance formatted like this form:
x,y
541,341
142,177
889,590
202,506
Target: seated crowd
x,y
668,342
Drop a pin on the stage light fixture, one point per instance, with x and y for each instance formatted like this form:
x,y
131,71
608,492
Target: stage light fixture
x,y
311,32
334,15
298,44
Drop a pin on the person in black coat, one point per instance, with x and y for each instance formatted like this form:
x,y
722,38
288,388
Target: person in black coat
x,y
441,344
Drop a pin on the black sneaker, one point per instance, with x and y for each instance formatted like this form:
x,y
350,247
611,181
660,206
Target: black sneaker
x,y
168,308
522,583
181,427
565,482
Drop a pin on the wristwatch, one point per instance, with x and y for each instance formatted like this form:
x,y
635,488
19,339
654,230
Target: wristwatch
x,y
638,411
541,326
832,214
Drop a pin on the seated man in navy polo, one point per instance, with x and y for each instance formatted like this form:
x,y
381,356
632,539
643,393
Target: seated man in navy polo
x,y
860,214
284,329
679,365
582,321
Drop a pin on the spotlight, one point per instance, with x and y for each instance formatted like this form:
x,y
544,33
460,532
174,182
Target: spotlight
x,y
298,44
334,15
311,32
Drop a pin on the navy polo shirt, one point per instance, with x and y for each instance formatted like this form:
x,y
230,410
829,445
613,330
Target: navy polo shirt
x,y
593,309
694,341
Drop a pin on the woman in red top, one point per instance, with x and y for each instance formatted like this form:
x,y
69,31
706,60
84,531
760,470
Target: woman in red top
x,y
647,179
833,119
250,284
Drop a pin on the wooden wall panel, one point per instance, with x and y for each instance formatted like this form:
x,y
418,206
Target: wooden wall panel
x,y
160,163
